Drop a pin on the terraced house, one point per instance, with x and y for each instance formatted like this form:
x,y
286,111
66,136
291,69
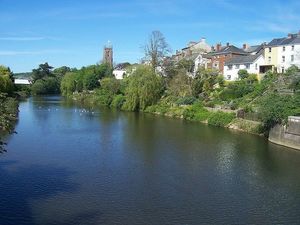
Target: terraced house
x,y
282,53
220,54
253,62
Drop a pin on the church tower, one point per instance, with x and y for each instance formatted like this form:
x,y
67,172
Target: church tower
x,y
108,54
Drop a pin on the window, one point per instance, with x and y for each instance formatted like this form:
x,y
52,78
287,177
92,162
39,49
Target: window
x,y
269,59
270,49
292,58
229,67
256,66
293,47
237,66
247,65
283,48
283,59
282,69
228,77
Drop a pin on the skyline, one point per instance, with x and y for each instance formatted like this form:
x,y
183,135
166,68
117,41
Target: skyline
x,y
73,33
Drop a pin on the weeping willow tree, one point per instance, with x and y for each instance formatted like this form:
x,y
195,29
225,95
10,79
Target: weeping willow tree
x,y
144,89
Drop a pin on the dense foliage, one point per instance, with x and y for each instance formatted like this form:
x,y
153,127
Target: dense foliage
x,y
8,103
144,89
87,78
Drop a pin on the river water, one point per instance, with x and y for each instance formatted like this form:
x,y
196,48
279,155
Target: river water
x,y
70,165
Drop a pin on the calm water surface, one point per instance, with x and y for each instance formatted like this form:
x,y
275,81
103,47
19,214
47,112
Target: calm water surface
x,y
68,166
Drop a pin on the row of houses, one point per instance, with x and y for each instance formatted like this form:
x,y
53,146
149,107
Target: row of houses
x,y
277,55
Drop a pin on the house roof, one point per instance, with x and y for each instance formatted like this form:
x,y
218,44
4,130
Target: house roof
x,y
293,39
254,48
228,49
243,59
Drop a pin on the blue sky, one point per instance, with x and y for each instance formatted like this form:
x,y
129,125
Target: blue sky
x,y
73,33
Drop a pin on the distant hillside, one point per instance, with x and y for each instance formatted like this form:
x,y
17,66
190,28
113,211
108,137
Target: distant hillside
x,y
25,75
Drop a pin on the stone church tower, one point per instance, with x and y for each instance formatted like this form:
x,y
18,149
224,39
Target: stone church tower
x,y
108,54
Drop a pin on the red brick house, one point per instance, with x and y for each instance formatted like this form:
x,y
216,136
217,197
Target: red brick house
x,y
220,54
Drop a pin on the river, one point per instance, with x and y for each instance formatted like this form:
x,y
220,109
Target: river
x,y
74,165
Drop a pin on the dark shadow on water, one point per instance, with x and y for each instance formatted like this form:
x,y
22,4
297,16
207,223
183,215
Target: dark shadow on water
x,y
20,186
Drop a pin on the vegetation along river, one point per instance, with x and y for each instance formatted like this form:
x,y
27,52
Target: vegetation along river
x,y
70,165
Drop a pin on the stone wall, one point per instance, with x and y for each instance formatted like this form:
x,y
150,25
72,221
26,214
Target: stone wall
x,y
287,135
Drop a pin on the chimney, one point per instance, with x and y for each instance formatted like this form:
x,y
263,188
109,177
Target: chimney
x,y
290,35
203,39
227,44
212,48
218,47
245,46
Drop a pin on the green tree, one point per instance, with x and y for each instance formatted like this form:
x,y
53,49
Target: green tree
x,y
68,84
111,84
90,81
243,74
180,85
6,80
61,71
144,89
43,71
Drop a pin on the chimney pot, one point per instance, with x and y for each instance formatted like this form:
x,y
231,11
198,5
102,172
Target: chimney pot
x,y
227,44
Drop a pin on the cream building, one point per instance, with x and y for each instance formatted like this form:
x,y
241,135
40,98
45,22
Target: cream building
x,y
282,53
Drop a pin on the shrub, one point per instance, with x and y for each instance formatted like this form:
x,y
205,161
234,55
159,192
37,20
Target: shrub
x,y
186,101
220,119
196,112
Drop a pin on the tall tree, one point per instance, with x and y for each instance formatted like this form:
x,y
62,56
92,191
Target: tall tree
x,y
156,49
43,71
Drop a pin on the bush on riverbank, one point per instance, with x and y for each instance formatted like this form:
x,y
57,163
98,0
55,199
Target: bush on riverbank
x,y
8,115
220,119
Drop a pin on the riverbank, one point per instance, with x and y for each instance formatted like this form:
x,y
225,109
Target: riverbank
x,y
8,116
194,112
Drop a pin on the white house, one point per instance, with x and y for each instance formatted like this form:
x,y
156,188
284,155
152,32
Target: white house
x,y
22,81
288,55
200,61
119,73
251,63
